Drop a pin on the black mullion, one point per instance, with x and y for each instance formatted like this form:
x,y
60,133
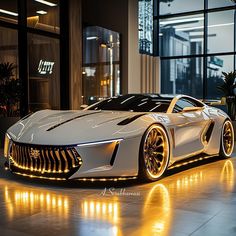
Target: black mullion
x,y
196,12
23,55
205,46
155,28
219,9
64,54
234,39
180,14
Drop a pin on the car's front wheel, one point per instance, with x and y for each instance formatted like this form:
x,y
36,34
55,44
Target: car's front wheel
x,y
227,139
154,153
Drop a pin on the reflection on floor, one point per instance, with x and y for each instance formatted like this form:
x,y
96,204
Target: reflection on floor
x,y
190,201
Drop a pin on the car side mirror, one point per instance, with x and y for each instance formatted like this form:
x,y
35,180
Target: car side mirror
x,y
189,109
83,106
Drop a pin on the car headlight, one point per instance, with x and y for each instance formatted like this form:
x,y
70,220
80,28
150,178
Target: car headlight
x,y
7,144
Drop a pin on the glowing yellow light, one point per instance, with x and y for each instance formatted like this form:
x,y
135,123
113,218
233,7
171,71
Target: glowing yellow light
x,y
98,208
158,227
104,207
66,205
59,203
110,207
53,201
91,208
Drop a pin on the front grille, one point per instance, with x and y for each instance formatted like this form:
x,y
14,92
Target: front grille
x,y
47,161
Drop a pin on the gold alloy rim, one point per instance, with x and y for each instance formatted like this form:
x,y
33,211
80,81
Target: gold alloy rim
x,y
156,151
228,138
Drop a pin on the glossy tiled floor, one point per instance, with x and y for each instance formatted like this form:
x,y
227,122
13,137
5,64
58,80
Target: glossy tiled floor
x,y
197,200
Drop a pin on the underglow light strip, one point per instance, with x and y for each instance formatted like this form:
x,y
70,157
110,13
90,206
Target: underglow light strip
x,y
8,12
46,3
189,162
107,179
38,177
99,143
82,179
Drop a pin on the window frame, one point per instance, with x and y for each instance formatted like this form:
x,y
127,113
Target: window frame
x,y
205,54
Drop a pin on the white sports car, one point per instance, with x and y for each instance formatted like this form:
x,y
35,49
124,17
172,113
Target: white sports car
x,y
130,136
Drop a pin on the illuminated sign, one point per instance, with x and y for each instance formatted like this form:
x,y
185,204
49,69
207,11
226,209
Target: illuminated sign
x,y
45,67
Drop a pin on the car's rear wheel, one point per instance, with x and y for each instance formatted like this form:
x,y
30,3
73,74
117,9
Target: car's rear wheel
x,y
154,153
227,139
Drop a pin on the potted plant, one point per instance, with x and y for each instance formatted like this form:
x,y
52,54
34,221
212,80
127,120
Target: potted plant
x,y
10,92
228,88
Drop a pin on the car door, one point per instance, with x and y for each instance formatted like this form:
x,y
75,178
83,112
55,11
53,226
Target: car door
x,y
189,123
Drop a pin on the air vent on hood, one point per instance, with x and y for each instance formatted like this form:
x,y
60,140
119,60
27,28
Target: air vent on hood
x,y
130,119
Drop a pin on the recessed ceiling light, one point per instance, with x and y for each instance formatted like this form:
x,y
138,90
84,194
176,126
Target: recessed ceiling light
x,y
92,38
46,3
41,12
8,12
201,27
181,20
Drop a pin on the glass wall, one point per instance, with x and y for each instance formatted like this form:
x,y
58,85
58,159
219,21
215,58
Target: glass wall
x,y
177,6
182,76
35,25
196,45
9,73
181,35
43,15
101,64
44,74
215,66
220,31
220,3
8,11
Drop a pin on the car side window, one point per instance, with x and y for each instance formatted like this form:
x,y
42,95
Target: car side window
x,y
182,103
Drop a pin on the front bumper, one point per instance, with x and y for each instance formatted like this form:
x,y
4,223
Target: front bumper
x,y
112,159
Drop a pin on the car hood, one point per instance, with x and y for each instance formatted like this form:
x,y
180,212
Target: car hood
x,y
50,127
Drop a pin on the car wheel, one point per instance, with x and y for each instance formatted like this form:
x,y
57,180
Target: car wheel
x,y
154,153
227,139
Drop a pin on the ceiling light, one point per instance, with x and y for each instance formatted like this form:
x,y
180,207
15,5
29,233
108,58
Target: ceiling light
x,y
201,27
41,12
219,25
92,38
46,3
181,20
201,33
196,40
8,12
189,28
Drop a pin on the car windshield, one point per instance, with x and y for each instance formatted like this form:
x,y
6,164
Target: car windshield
x,y
136,103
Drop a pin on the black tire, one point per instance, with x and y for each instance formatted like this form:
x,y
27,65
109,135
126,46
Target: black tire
x,y
154,153
227,139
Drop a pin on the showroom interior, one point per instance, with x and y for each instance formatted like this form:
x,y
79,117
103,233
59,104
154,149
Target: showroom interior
x,y
67,54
